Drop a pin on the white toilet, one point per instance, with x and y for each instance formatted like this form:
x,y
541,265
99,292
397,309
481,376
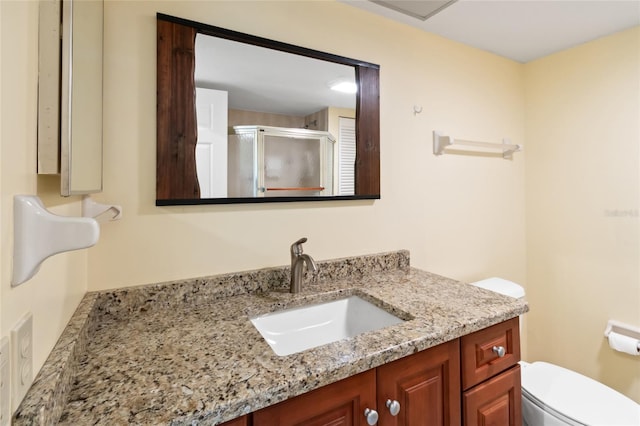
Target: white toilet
x,y
555,396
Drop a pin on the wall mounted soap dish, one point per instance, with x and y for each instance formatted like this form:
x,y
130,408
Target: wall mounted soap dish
x,y
39,234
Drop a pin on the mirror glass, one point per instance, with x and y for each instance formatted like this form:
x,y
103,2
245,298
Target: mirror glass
x,y
81,100
246,119
251,97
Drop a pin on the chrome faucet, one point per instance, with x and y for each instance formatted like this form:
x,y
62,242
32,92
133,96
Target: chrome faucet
x,y
298,260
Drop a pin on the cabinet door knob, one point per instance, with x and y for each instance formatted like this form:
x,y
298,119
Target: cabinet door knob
x,y
393,406
499,350
371,415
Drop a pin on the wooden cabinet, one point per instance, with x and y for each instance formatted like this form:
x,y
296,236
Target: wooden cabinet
x,y
481,352
496,401
426,386
491,376
341,403
240,421
474,380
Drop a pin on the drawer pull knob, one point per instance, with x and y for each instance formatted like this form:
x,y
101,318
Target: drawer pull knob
x,y
371,415
393,406
499,350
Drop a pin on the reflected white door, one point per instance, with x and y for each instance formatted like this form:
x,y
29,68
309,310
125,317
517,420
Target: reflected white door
x,y
211,149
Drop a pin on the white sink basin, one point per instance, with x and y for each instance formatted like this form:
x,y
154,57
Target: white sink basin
x,y
294,330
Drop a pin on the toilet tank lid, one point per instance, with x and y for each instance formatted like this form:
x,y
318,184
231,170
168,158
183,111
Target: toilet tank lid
x,y
577,397
502,286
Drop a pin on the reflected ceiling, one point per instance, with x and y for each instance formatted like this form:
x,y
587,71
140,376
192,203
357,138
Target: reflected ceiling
x,y
261,88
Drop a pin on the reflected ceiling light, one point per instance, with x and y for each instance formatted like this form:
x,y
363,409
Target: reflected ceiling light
x,y
343,86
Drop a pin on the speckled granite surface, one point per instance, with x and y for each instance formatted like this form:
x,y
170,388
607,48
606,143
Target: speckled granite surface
x,y
186,353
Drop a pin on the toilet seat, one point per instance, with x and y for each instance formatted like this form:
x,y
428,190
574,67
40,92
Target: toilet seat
x,y
576,399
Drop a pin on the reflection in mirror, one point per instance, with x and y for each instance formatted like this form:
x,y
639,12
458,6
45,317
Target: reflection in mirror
x,y
265,123
239,85
276,161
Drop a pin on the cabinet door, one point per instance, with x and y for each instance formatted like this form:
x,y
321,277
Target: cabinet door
x,y
240,421
341,403
426,385
497,401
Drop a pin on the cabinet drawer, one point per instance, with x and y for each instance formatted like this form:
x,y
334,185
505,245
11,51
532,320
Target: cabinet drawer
x,y
481,352
498,401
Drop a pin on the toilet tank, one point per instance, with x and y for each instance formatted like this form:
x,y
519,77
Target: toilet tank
x,y
502,286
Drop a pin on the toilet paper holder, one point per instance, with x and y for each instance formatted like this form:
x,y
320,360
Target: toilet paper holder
x,y
623,329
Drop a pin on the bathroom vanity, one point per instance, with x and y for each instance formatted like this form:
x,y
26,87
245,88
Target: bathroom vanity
x,y
423,388
187,353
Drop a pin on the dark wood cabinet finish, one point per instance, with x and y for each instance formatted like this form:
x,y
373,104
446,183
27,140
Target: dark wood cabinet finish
x,y
427,386
341,403
480,361
463,381
240,421
492,382
498,401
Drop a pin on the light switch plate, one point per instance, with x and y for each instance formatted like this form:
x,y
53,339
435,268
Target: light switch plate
x,y
22,359
5,382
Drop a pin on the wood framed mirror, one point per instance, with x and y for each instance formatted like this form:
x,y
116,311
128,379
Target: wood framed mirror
x,y
223,140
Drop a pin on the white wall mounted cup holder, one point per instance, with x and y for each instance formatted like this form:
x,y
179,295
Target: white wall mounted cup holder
x,y
39,234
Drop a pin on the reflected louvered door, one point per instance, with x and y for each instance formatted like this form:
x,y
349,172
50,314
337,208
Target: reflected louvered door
x,y
346,156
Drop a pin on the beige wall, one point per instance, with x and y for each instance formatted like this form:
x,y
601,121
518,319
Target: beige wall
x,y
4,253
583,201
460,216
56,290
3,231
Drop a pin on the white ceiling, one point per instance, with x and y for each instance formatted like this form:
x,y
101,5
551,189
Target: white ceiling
x,y
517,29
522,30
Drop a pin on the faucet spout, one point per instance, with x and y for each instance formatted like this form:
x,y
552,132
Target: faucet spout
x,y
298,262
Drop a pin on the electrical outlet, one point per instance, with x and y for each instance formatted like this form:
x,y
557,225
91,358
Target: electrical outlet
x,y
5,383
22,360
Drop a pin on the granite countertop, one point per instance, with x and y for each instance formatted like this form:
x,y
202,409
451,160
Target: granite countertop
x,y
185,352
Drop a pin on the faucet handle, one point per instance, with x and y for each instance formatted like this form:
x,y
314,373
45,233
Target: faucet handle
x,y
296,248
